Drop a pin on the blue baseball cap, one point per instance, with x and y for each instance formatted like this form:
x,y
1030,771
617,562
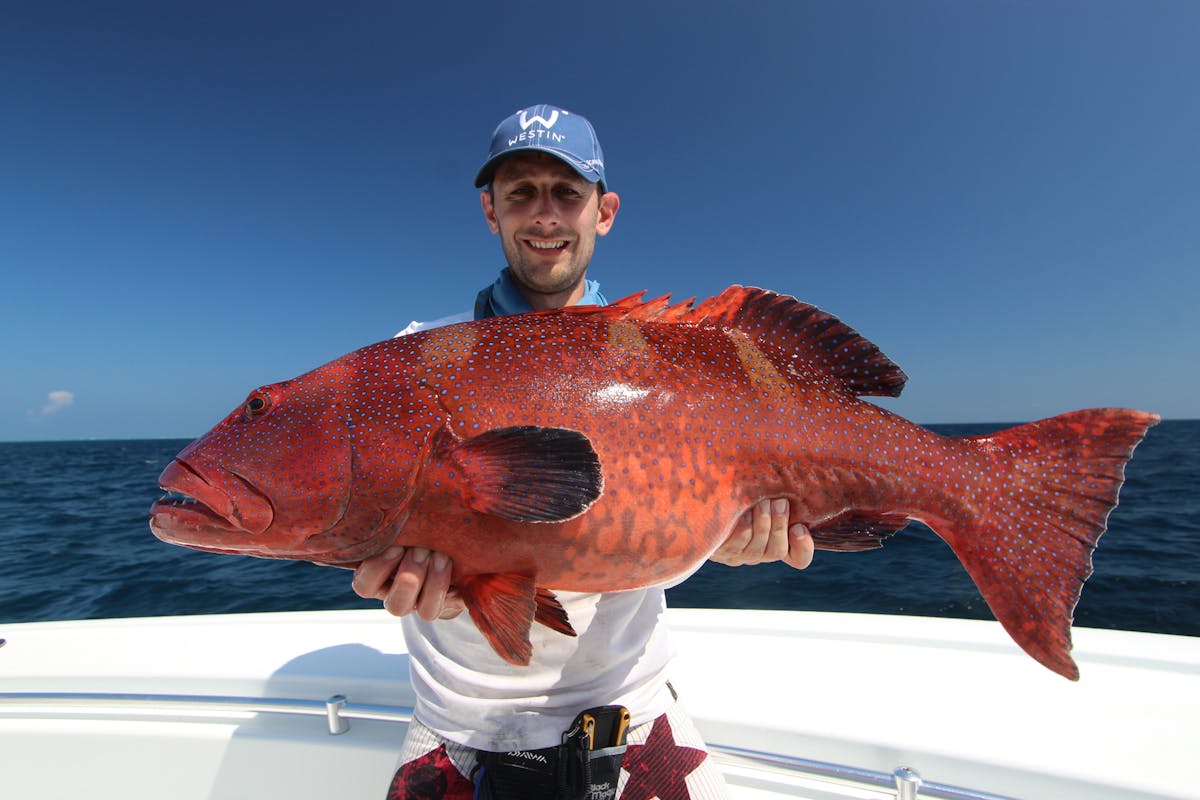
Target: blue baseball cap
x,y
552,130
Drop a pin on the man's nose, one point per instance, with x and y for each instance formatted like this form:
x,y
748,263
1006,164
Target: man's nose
x,y
544,210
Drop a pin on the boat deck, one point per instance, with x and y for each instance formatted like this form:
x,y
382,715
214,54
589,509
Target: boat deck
x,y
794,704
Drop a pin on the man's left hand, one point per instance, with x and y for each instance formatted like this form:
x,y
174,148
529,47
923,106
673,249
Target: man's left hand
x,y
762,535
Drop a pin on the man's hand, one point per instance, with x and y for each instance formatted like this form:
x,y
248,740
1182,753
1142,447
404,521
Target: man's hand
x,y
409,579
762,535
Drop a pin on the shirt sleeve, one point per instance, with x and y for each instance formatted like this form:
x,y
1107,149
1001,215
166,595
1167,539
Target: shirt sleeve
x,y
415,325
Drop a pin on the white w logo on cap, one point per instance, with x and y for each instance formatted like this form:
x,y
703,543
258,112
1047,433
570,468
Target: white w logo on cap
x,y
546,123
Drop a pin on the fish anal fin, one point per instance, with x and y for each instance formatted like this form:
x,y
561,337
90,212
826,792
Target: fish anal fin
x,y
854,531
502,606
550,612
526,473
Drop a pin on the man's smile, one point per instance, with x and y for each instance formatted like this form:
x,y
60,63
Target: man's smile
x,y
552,244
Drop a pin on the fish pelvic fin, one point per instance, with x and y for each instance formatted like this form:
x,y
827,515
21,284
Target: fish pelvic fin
x,y
550,612
805,336
525,473
504,607
1029,546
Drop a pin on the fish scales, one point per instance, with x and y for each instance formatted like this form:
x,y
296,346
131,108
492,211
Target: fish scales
x,y
647,423
604,449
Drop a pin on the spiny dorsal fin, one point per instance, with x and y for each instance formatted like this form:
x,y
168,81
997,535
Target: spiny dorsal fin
x,y
627,302
633,306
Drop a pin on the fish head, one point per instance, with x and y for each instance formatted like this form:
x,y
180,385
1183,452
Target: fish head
x,y
294,472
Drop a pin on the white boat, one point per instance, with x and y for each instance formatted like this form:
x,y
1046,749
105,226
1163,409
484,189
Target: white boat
x,y
793,704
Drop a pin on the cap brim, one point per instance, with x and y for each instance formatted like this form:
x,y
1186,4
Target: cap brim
x,y
484,176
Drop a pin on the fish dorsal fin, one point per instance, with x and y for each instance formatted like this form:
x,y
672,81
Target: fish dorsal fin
x,y
805,332
633,306
628,302
802,331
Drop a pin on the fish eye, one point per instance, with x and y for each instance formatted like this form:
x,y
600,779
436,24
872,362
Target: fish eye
x,y
258,404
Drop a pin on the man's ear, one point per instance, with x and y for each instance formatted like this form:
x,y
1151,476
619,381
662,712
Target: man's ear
x,y
489,210
609,204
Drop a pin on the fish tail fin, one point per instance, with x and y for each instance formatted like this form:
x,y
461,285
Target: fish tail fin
x,y
1028,537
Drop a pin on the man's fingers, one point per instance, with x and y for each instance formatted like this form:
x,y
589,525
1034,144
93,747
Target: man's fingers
x,y
768,539
432,596
373,577
405,590
800,547
410,579
776,545
453,606
730,551
760,535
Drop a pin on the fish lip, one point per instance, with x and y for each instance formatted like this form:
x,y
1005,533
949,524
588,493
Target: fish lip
x,y
208,503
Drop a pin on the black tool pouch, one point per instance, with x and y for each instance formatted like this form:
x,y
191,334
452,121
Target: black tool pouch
x,y
591,754
585,766
519,775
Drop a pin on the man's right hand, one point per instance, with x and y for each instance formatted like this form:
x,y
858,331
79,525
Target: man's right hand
x,y
409,579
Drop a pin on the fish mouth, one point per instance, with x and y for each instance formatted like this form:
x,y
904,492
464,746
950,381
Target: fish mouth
x,y
207,507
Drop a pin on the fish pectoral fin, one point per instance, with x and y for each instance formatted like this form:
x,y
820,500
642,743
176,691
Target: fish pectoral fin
x,y
856,530
551,613
529,473
503,606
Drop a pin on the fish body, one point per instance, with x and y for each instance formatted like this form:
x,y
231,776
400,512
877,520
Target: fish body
x,y
614,448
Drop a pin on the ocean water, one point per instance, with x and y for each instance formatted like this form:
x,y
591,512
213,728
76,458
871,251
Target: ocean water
x,y
75,544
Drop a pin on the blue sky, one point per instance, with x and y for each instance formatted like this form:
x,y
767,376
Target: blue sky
x,y
198,198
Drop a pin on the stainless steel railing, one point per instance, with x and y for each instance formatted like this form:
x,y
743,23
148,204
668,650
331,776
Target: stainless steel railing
x,y
905,783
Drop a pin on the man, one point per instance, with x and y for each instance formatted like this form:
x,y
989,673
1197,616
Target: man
x,y
544,194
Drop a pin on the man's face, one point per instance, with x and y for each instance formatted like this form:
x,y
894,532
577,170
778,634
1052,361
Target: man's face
x,y
548,218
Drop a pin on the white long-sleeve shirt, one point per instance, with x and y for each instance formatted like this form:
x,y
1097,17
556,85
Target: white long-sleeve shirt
x,y
468,694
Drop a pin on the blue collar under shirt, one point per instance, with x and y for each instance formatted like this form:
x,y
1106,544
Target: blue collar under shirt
x,y
503,298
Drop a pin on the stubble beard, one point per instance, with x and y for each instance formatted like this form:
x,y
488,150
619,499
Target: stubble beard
x,y
557,279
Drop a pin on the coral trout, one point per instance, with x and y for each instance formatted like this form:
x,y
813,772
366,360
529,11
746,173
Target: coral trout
x,y
613,448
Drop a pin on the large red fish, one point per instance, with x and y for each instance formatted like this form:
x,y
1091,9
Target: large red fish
x,y
609,448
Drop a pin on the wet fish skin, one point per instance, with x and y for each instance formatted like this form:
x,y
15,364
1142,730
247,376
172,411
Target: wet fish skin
x,y
601,449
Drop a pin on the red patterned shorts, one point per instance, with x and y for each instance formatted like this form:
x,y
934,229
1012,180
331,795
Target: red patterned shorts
x,y
665,759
